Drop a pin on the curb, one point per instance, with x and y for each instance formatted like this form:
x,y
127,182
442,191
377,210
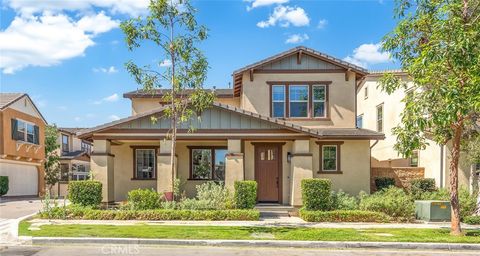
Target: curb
x,y
257,243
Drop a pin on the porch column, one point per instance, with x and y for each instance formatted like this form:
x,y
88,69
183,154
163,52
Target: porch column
x,y
102,168
301,168
233,164
164,169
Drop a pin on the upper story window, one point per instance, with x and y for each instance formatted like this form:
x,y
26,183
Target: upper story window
x,y
65,143
380,118
85,147
297,100
360,121
365,92
25,131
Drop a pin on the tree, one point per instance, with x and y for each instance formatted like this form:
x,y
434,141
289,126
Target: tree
x,y
52,163
171,26
437,44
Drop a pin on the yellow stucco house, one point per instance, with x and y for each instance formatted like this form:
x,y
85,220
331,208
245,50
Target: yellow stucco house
x,y
288,117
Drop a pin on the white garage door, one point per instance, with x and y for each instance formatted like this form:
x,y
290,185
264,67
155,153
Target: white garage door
x,y
22,179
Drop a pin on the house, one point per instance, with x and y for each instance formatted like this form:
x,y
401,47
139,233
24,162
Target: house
x,y
381,112
288,117
22,150
74,158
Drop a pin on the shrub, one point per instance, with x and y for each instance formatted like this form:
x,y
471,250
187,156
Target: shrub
x,y
245,194
439,194
216,194
3,185
468,202
143,199
343,216
472,220
392,201
384,182
421,186
344,201
316,194
85,192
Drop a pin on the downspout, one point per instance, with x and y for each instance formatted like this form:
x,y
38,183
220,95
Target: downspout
x,y
441,165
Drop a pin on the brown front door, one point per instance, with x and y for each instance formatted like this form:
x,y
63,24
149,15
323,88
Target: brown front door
x,y
268,159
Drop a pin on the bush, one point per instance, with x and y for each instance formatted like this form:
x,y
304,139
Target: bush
x,y
216,194
143,199
421,186
3,185
468,202
344,201
343,216
440,194
85,193
245,194
472,220
88,213
384,182
392,201
316,194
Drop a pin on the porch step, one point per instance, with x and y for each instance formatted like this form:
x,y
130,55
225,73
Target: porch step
x,y
275,210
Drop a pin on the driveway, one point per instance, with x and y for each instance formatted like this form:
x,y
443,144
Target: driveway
x,y
13,208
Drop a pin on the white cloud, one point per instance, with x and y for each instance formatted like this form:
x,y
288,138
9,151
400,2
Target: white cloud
x,y
286,15
111,98
113,117
322,23
260,3
109,70
166,63
297,38
48,39
367,54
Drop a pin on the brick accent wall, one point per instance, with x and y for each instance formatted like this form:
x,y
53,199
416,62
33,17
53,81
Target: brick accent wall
x,y
402,175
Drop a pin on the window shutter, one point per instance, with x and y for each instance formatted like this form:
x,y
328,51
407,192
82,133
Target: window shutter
x,y
36,133
14,129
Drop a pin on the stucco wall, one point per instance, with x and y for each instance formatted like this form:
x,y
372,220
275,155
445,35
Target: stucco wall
x,y
140,105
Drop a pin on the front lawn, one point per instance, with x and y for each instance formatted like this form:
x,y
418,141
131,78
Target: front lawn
x,y
249,233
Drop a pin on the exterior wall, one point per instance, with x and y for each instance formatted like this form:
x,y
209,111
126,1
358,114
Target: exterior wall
x,y
140,105
355,166
341,101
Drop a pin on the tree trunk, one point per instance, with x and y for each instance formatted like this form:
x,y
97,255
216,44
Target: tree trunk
x,y
172,152
455,221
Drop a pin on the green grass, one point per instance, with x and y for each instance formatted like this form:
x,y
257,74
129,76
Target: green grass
x,y
243,233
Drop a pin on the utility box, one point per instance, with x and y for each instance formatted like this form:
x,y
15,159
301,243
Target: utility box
x,y
433,210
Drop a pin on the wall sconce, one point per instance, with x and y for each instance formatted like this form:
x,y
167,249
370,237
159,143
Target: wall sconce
x,y
289,157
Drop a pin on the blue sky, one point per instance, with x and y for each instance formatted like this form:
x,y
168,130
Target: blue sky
x,y
69,56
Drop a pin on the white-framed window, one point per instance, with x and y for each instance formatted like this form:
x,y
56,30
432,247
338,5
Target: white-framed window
x,y
278,100
25,131
298,95
65,143
413,160
145,163
86,147
319,100
329,158
360,121
380,118
79,172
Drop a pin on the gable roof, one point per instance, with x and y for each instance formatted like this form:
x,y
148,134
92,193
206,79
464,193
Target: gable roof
x,y
158,93
323,133
73,155
8,98
72,131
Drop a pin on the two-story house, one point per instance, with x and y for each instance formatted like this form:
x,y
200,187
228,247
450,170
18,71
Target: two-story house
x,y
22,148
288,117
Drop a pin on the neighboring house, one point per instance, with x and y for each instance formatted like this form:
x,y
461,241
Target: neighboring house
x,y
289,117
381,112
22,150
74,158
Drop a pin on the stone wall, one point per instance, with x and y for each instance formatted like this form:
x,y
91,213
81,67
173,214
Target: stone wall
x,y
402,175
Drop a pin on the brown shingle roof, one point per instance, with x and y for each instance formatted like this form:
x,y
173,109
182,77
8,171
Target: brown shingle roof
x,y
8,98
158,93
73,130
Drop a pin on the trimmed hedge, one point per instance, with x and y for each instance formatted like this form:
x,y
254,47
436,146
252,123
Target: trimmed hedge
x,y
86,213
316,194
85,192
143,199
384,182
343,216
3,185
472,220
245,194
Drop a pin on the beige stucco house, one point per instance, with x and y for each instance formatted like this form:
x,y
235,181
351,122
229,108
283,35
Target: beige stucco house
x,y
378,111
287,118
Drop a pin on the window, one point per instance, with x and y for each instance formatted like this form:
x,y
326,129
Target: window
x,y
25,131
414,159
298,100
319,92
65,147
207,163
64,172
79,172
329,159
365,92
145,163
380,118
360,121
278,100
86,147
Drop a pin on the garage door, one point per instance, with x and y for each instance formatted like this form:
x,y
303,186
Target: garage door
x,y
23,179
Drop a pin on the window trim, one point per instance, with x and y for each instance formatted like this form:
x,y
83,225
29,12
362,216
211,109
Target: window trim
x,y
25,134
68,143
134,150
284,98
308,101
310,85
324,101
376,117
190,160
337,144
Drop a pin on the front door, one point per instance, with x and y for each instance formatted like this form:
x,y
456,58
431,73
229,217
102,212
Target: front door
x,y
268,160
